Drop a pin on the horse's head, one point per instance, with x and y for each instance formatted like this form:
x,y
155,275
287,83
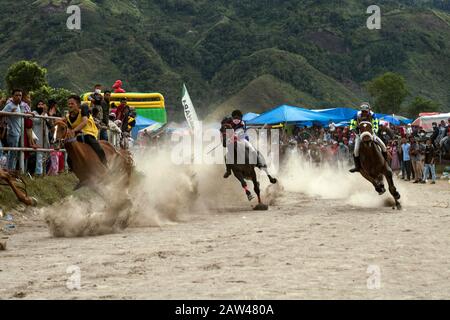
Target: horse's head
x,y
61,132
365,131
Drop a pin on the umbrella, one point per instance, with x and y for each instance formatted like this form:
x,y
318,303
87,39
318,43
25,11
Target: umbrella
x,y
396,119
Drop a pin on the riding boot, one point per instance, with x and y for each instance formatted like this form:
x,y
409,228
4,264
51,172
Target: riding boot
x,y
357,167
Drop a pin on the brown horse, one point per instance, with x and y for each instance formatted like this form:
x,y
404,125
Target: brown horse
x,y
243,169
20,192
373,164
87,165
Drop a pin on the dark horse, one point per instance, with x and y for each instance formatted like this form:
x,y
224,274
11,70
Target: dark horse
x,y
373,164
239,160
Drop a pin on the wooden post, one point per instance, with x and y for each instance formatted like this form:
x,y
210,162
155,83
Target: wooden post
x,y
22,144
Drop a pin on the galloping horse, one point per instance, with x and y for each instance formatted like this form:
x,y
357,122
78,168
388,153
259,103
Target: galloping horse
x,y
373,164
86,164
243,170
20,192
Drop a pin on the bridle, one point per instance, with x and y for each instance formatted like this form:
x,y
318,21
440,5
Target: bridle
x,y
66,138
365,133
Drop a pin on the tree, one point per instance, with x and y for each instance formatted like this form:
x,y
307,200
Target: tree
x,y
389,91
46,93
26,75
420,104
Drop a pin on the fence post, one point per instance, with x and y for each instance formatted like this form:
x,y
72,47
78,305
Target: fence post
x,y
22,145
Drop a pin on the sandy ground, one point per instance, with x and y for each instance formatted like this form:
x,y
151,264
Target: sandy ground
x,y
321,239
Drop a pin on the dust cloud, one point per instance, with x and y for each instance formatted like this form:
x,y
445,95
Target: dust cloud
x,y
332,182
162,192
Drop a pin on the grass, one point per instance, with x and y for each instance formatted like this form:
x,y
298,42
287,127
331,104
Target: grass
x,y
46,190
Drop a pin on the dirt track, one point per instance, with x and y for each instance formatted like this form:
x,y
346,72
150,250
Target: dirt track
x,y
315,245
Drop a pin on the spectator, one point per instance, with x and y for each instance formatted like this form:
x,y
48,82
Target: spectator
x,y
343,154
409,130
122,109
395,161
97,103
435,134
41,132
430,158
406,160
129,120
14,127
331,126
416,158
97,94
106,112
3,130
114,131
53,111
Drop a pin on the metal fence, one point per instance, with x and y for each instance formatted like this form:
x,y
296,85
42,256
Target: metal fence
x,y
22,149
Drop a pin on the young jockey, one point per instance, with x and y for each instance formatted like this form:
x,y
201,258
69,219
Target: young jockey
x,y
239,127
81,123
365,114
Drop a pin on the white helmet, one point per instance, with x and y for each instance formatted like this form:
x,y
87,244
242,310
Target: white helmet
x,y
365,106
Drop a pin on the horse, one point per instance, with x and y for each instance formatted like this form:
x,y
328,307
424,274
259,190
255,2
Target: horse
x,y
20,192
315,153
373,164
87,165
244,170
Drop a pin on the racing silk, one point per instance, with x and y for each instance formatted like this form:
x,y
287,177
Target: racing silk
x,y
90,128
354,123
240,130
131,123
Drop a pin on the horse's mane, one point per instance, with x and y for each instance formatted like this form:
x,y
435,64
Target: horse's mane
x,y
61,122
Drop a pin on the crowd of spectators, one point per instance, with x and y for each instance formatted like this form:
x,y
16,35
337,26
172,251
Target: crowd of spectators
x,y
412,152
114,124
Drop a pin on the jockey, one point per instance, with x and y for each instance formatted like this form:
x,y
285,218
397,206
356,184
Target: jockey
x,y
365,114
81,123
239,127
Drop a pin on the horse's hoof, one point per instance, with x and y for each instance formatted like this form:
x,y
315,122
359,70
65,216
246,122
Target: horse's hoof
x,y
273,180
250,197
398,206
34,202
381,191
261,207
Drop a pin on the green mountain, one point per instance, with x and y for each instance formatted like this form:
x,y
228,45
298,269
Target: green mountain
x,y
234,53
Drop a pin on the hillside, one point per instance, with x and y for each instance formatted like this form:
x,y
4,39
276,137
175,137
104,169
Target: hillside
x,y
236,52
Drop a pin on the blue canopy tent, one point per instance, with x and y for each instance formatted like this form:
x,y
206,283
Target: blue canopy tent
x,y
343,124
287,114
395,119
141,123
250,116
337,114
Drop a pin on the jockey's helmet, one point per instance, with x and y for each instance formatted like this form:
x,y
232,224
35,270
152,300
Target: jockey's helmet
x,y
237,114
365,106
